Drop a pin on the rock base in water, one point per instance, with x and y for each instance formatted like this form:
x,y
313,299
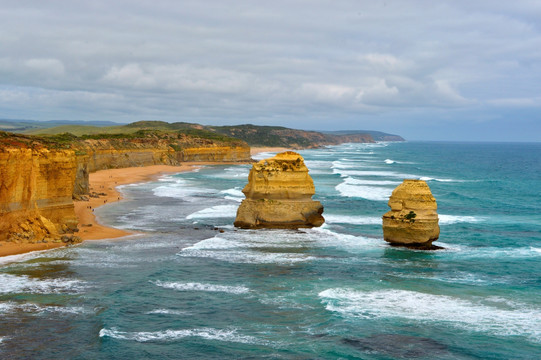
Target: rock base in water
x,y
413,220
279,214
279,195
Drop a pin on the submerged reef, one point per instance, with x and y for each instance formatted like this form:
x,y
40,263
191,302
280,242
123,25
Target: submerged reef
x,y
279,195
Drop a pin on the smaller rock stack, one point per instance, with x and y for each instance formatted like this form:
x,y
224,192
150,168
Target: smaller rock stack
x,y
413,220
279,195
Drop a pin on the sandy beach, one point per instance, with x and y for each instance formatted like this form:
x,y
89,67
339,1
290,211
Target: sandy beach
x,y
105,182
102,182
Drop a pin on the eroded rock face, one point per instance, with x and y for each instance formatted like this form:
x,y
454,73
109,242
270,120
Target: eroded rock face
x,y
412,220
39,179
36,188
279,195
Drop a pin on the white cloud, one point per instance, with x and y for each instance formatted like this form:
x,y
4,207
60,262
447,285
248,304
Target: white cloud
x,y
248,61
327,92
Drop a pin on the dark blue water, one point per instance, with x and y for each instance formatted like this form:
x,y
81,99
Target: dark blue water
x,y
195,287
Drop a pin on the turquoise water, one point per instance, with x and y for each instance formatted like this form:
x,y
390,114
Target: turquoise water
x,y
195,287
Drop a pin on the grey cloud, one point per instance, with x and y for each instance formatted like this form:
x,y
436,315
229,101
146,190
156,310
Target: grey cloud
x,y
321,64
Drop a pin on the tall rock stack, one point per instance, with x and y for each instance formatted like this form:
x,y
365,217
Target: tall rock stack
x,y
413,220
279,195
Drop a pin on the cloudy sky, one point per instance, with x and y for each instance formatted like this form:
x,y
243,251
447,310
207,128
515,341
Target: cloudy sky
x,y
424,69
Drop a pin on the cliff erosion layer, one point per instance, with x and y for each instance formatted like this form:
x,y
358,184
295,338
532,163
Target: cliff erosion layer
x,y
36,187
279,195
413,219
164,149
40,177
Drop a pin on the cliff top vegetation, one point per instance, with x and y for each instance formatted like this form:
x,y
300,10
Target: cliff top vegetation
x,y
253,135
135,137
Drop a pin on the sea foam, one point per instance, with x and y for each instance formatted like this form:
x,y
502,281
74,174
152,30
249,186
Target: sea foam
x,y
426,178
190,286
348,188
172,335
453,219
234,194
376,173
168,312
182,189
218,211
354,220
13,284
471,315
252,247
239,172
11,307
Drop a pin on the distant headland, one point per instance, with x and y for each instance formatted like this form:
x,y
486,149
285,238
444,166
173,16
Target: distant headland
x,y
253,135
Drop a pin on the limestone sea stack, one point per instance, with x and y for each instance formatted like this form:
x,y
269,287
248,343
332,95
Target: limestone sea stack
x,y
279,195
413,220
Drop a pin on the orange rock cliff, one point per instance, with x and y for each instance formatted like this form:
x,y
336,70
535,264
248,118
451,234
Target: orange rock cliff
x,y
40,179
279,195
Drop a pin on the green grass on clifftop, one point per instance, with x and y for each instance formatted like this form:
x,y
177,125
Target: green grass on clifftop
x,y
253,135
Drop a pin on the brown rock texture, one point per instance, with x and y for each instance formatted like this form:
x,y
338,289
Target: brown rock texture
x,y
279,195
413,219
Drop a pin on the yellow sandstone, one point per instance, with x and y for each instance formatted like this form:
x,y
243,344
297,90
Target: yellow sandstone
x,y
413,219
279,195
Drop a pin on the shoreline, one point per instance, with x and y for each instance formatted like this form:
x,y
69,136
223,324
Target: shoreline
x,y
106,182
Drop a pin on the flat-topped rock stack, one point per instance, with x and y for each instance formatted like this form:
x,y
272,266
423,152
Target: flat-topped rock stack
x,y
413,219
279,195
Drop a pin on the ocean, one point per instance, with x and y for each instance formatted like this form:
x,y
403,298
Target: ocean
x,y
194,287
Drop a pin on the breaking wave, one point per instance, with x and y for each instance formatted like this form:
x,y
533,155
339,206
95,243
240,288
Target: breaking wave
x,y
172,335
13,284
471,315
202,287
218,211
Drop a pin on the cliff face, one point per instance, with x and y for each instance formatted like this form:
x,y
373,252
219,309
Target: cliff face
x,y
94,155
36,186
39,178
412,220
279,195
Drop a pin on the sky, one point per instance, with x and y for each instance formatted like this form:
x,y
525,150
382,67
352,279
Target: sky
x,y
424,69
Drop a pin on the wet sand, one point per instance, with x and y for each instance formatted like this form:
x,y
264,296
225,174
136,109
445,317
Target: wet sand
x,y
105,182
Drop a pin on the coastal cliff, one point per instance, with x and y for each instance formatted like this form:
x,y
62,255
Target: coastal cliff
x,y
279,195
36,186
412,220
101,154
40,177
